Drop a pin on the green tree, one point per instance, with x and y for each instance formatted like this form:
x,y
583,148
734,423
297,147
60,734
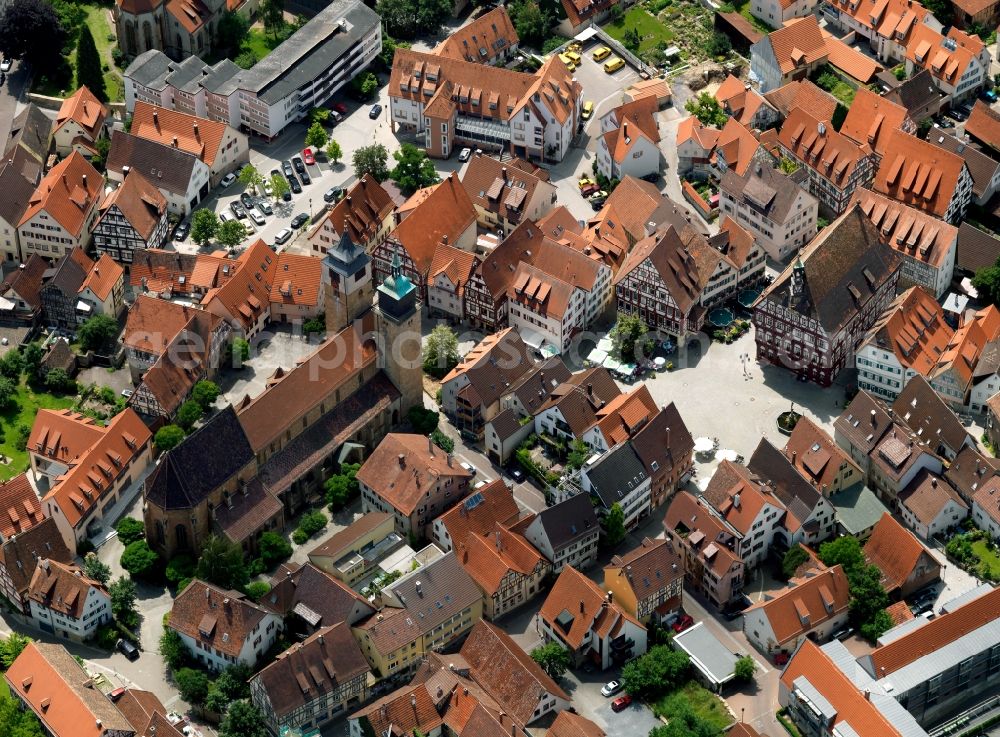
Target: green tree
x,y
787,165
233,682
189,413
12,364
94,569
221,563
316,136
8,393
33,356
372,160
319,115
58,381
413,169
795,557
231,31
140,560
129,530
942,10
179,567
707,109
279,186
250,178
413,18
98,333
230,233
31,30
719,45
364,85
868,597
578,454
987,283
10,648
553,658
172,649
424,421
440,351
900,72
204,224
88,64
123,595
272,15
613,525
684,722
343,486
168,437
274,548
16,721
256,590
240,352
745,668
333,151
442,441
630,337
530,21
878,625
243,719
660,670
389,46
205,393
192,685
844,551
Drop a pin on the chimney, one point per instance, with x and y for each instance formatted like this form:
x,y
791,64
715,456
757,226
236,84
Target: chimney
x,y
402,461
499,543
868,694
196,134
125,170
583,607
625,129
444,239
156,120
413,700
934,483
590,389
430,445
420,588
611,598
451,459
505,173
84,181
873,416
175,141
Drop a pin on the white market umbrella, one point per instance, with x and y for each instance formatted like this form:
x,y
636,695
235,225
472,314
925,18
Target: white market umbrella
x,y
703,445
727,455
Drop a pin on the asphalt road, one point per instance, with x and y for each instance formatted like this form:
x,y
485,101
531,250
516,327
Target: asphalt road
x,y
10,92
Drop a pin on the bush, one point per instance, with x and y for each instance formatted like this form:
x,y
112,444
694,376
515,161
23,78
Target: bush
x,y
299,537
172,648
257,590
140,560
180,567
312,522
192,685
273,549
130,530
106,637
443,441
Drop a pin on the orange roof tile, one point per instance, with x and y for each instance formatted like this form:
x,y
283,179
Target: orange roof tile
x,y
799,43
447,212
909,231
102,278
819,597
625,415
83,108
872,119
918,173
581,606
497,507
850,61
297,280
489,558
152,323
142,204
199,136
244,296
68,193
984,124
814,454
457,265
19,507
926,50
803,93
836,156
62,435
361,212
913,327
568,724
896,551
492,31
62,588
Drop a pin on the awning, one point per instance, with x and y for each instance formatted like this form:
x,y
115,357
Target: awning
x,y
82,306
611,364
549,350
531,338
586,34
606,345
597,357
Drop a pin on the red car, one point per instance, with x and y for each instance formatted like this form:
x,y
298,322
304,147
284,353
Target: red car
x,y
683,623
589,190
307,156
622,702
781,657
340,108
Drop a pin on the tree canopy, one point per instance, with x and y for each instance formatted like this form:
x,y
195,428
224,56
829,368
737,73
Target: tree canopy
x,y
230,233
316,136
553,658
630,337
530,21
168,437
205,393
707,109
372,160
140,560
31,30
88,64
98,333
221,562
613,525
440,351
243,720
231,31
413,169
342,487
250,178
660,670
413,18
204,224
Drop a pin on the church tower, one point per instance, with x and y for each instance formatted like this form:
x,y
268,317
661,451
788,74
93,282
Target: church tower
x,y
397,315
347,274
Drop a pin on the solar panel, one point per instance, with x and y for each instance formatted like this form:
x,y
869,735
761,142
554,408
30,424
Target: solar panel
x,y
473,501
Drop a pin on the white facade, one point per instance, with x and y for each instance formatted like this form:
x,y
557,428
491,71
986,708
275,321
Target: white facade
x,y
43,234
443,296
592,641
257,642
178,203
779,239
982,390
96,612
950,515
759,631
641,160
756,541
773,14
880,372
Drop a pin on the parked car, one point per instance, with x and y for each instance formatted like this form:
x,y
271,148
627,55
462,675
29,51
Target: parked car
x,y
127,393
588,110
781,658
589,190
585,181
227,180
255,215
268,190
480,484
246,200
264,207
127,649
308,157
306,179
682,623
225,217
181,233
611,688
337,117
293,182
333,194
842,634
375,111
299,220
621,703
5,65
237,209
339,107
517,474
286,169
469,467
989,96
465,154
297,163
282,236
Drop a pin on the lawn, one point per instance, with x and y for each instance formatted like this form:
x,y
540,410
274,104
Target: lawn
x,y
652,33
987,557
23,413
700,700
262,44
744,10
97,20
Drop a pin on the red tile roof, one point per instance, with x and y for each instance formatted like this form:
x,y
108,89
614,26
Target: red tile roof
x,y
568,724
872,119
815,599
806,137
896,551
103,277
61,588
447,212
918,173
799,43
83,108
68,193
984,124
218,619
247,292
19,507
297,280
142,204
199,136
581,603
492,31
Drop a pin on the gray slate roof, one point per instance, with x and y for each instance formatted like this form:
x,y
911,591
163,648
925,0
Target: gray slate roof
x,y
19,175
164,166
32,130
977,249
150,69
981,167
568,520
616,474
768,190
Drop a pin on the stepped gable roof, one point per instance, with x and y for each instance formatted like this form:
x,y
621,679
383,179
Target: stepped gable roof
x,y
142,204
404,467
321,664
871,119
895,550
20,553
215,618
805,94
67,194
19,507
442,217
918,173
61,588
487,36
204,461
84,109
837,273
52,683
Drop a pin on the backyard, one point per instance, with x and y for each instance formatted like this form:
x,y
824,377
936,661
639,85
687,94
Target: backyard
x,y
260,44
22,412
699,700
652,33
744,10
96,17
649,28
988,558
976,553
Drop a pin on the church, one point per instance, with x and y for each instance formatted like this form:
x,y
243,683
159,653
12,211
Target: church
x,y
179,28
255,464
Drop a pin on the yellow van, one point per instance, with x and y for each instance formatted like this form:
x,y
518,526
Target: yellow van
x,y
575,57
610,67
588,109
602,53
568,62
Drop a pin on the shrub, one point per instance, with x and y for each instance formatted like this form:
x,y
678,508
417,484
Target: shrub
x,y
140,560
299,537
312,522
106,637
257,589
273,549
129,530
179,568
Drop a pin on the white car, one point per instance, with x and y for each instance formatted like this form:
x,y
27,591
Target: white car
x,y
282,236
465,154
5,65
611,688
267,188
227,180
257,218
469,467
